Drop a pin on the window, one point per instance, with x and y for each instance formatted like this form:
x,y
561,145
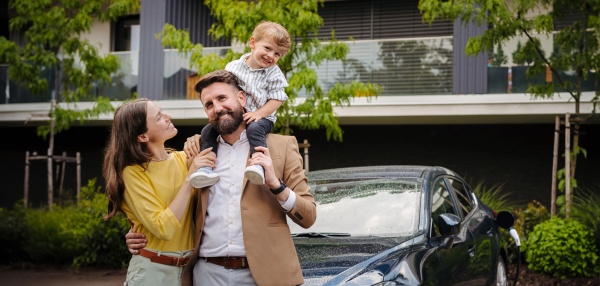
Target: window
x,y
127,33
465,200
441,202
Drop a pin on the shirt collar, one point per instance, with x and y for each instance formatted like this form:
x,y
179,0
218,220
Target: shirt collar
x,y
243,137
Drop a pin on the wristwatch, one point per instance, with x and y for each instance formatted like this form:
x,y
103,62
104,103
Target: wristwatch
x,y
280,189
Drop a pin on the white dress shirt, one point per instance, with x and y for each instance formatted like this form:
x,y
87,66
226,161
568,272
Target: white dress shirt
x,y
222,233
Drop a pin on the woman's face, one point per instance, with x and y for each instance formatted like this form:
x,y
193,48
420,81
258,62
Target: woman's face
x,y
159,124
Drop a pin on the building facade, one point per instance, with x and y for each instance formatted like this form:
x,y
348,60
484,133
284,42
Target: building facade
x,y
438,105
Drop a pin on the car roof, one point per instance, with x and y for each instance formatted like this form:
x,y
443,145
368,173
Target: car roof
x,y
366,172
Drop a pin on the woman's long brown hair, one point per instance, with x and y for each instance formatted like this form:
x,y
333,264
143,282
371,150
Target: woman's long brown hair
x,y
123,149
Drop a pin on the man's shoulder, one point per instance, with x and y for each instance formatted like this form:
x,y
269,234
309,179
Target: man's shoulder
x,y
279,137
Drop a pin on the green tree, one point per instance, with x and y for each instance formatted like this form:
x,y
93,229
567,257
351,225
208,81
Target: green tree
x,y
53,41
576,45
498,58
236,21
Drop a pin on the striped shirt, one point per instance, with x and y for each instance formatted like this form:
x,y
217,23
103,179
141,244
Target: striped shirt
x,y
260,85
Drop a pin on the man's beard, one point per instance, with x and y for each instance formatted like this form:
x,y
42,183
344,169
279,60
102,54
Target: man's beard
x,y
230,124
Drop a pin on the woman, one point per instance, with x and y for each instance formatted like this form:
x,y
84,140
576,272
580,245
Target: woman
x,y
150,184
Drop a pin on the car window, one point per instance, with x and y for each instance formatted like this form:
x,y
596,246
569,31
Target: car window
x,y
372,207
465,200
441,202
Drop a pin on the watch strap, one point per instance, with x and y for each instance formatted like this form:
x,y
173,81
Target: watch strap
x,y
280,189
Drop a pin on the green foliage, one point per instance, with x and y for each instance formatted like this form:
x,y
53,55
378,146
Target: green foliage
x,y
586,211
102,240
12,234
562,248
72,234
53,31
50,237
236,21
576,45
527,219
498,57
495,197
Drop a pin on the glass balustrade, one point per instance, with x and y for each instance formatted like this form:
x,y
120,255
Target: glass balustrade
x,y
420,66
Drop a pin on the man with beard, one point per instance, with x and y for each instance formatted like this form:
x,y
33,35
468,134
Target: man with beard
x,y
242,237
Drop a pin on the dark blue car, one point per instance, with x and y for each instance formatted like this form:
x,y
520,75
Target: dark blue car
x,y
399,225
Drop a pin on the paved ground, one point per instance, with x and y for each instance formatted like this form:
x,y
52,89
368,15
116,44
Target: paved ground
x,y
61,277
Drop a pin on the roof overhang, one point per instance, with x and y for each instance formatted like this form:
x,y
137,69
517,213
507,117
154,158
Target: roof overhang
x,y
383,110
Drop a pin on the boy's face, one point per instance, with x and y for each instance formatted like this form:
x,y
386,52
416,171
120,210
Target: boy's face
x,y
265,53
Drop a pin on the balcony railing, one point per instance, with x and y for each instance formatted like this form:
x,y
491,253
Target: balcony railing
x,y
513,80
420,66
401,67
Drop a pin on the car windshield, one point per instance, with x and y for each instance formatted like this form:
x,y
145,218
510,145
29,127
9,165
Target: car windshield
x,y
365,207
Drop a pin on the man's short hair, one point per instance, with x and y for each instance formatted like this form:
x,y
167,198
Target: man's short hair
x,y
217,76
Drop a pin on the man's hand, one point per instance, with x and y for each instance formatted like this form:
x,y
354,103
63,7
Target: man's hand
x,y
192,146
134,241
263,157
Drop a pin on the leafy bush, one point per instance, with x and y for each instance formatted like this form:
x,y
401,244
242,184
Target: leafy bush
x,y
12,234
103,240
562,248
72,234
527,219
49,236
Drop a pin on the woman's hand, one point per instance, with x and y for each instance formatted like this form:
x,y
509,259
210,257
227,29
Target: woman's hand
x,y
206,158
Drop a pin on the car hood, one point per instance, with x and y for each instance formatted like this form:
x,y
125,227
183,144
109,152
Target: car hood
x,y
332,261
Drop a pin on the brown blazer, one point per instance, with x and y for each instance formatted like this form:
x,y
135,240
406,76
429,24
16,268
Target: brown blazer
x,y
269,246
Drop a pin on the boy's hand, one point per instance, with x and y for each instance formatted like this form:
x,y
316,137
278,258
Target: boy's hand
x,y
252,117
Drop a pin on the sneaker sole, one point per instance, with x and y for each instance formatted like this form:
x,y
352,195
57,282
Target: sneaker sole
x,y
254,178
203,181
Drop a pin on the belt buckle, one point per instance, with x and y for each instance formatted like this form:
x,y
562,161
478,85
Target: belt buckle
x,y
233,260
183,262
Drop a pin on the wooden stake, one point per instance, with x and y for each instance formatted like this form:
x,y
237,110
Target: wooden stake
x,y
26,190
78,159
554,167
568,165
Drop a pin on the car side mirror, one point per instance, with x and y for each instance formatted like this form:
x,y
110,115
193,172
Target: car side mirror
x,y
448,226
505,219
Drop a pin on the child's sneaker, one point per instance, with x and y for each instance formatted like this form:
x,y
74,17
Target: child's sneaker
x,y
204,177
255,174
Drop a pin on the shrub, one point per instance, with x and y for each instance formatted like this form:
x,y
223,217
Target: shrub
x,y
12,235
586,211
103,241
49,235
71,234
562,248
527,219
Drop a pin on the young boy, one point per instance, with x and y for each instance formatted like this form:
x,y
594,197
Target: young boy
x,y
264,84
